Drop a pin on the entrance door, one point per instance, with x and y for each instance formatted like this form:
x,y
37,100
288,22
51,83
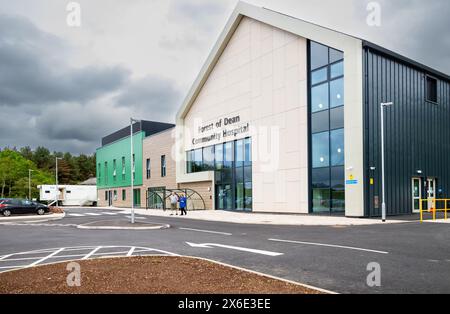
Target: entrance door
x,y
431,192
225,197
416,194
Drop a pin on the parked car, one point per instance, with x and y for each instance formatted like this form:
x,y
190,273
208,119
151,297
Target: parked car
x,y
10,206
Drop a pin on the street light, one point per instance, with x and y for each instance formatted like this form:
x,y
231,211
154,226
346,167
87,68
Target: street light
x,y
56,181
383,204
132,167
29,183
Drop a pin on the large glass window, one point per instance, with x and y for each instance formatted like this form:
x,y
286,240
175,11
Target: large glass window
x,y
319,76
208,158
320,121
319,97
228,155
327,128
239,153
337,70
219,156
337,118
198,160
248,152
232,165
319,55
337,147
320,150
337,93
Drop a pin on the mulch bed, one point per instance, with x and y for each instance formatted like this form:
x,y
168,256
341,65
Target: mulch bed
x,y
155,274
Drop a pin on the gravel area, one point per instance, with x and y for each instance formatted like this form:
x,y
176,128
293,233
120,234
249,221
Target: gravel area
x,y
150,274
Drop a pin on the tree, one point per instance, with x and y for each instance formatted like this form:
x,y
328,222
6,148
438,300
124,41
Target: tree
x,y
42,158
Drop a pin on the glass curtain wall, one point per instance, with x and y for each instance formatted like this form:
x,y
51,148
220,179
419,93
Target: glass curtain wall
x,y
327,128
232,163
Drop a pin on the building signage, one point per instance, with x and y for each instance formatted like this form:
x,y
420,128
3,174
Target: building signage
x,y
351,182
222,129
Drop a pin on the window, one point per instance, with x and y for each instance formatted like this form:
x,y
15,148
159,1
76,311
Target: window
x,y
337,147
319,97
115,170
208,158
319,76
124,195
99,169
432,89
327,128
47,192
320,150
148,168
115,195
106,195
319,55
218,153
321,178
198,160
123,168
68,192
239,153
106,172
319,121
163,165
336,70
248,152
337,93
337,118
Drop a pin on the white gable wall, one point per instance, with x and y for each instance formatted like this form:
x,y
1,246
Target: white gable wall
x,y
262,77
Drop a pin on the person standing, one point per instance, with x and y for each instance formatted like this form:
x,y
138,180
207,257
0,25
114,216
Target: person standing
x,y
173,203
183,204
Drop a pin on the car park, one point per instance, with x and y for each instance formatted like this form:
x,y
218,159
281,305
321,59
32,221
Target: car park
x,y
12,206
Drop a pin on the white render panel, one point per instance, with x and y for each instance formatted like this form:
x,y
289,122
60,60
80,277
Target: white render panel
x,y
266,87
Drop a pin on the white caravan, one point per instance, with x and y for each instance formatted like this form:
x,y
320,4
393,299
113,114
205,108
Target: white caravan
x,y
69,195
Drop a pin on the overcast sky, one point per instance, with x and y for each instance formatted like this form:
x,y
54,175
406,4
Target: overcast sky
x,y
65,87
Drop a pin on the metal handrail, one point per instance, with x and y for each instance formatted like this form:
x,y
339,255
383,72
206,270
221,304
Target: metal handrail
x,y
433,208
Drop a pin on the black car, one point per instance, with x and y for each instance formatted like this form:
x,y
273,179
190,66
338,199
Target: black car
x,y
10,206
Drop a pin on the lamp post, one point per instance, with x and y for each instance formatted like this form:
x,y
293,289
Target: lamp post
x,y
383,204
56,180
29,183
132,167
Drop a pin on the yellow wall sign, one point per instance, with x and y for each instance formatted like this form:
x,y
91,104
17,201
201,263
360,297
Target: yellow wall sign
x,y
371,181
351,177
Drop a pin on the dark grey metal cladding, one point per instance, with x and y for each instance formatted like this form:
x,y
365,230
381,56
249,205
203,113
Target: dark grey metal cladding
x,y
149,127
417,132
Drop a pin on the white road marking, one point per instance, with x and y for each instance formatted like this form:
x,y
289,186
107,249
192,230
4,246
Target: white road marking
x,y
135,217
91,252
92,214
76,215
9,267
130,252
206,231
122,251
5,257
112,214
330,245
45,258
209,245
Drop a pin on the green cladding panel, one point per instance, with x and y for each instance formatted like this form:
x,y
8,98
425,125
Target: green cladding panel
x,y
110,177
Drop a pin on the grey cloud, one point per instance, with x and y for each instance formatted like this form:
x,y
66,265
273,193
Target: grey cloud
x,y
156,98
33,69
